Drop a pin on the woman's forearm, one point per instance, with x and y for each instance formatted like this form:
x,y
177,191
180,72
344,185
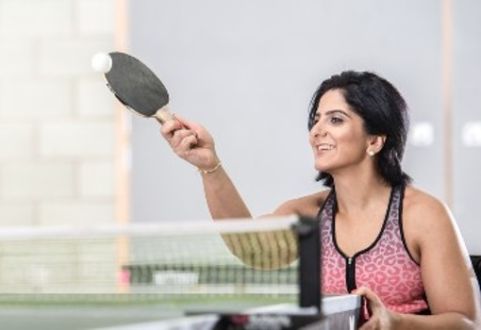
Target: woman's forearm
x,y
223,199
448,321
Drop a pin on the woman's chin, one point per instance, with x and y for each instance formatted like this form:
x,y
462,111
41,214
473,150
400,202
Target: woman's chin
x,y
322,168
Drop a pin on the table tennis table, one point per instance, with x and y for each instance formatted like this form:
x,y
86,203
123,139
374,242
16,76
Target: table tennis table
x,y
224,275
338,312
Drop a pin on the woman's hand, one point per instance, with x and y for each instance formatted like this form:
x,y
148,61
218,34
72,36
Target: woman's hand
x,y
191,142
379,316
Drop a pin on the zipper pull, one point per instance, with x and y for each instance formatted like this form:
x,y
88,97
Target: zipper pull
x,y
350,281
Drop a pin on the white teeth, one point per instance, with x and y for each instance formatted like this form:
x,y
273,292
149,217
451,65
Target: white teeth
x,y
323,147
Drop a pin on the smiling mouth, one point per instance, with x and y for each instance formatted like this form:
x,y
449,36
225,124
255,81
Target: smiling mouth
x,y
325,147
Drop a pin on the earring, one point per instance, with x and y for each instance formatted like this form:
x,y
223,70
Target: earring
x,y
370,152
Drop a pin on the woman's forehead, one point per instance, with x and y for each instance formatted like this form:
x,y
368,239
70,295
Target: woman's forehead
x,y
333,100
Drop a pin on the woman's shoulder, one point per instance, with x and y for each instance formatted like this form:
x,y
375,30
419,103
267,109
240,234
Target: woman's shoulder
x,y
307,205
418,200
423,210
426,221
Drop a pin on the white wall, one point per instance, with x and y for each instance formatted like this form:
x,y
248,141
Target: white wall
x,y
56,116
247,70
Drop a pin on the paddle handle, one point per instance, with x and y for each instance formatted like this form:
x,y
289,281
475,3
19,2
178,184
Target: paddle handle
x,y
163,114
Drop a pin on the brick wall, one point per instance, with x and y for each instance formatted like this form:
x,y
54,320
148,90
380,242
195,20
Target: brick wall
x,y
57,121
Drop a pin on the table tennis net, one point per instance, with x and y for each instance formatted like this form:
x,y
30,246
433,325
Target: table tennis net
x,y
165,262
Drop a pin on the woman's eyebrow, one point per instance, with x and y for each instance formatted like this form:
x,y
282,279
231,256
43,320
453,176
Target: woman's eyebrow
x,y
334,111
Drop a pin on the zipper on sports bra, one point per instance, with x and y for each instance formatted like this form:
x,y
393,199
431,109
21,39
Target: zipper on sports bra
x,y
350,278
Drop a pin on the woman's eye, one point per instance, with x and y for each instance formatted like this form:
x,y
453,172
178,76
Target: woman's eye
x,y
336,120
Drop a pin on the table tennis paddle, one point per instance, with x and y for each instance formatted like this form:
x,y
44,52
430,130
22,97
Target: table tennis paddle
x,y
135,85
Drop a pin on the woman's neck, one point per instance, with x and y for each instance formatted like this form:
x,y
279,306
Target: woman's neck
x,y
360,192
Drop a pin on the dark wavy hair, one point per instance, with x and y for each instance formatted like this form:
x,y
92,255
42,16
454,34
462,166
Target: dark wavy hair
x,y
384,112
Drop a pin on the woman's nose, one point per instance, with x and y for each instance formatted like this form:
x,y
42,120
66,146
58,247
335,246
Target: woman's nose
x,y
318,130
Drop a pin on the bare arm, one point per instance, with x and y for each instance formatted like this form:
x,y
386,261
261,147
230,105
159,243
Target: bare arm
x,y
448,277
223,199
193,143
382,318
450,285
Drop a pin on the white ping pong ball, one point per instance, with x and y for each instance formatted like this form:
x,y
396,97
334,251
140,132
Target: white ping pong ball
x,y
101,62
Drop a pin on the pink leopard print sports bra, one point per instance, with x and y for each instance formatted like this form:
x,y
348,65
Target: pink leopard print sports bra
x,y
386,266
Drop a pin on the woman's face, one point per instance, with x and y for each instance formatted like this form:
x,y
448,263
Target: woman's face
x,y
338,138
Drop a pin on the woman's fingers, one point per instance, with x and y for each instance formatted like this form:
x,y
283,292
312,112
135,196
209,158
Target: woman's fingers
x,y
190,141
199,130
379,318
185,145
184,121
169,127
176,141
372,298
369,325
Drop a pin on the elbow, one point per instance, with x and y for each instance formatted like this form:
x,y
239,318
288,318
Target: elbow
x,y
468,322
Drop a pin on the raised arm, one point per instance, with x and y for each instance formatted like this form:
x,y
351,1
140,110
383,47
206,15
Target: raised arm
x,y
193,143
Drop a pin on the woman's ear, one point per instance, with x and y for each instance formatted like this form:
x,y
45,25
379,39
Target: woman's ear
x,y
375,144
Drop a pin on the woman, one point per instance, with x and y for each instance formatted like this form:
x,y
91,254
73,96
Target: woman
x,y
382,238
